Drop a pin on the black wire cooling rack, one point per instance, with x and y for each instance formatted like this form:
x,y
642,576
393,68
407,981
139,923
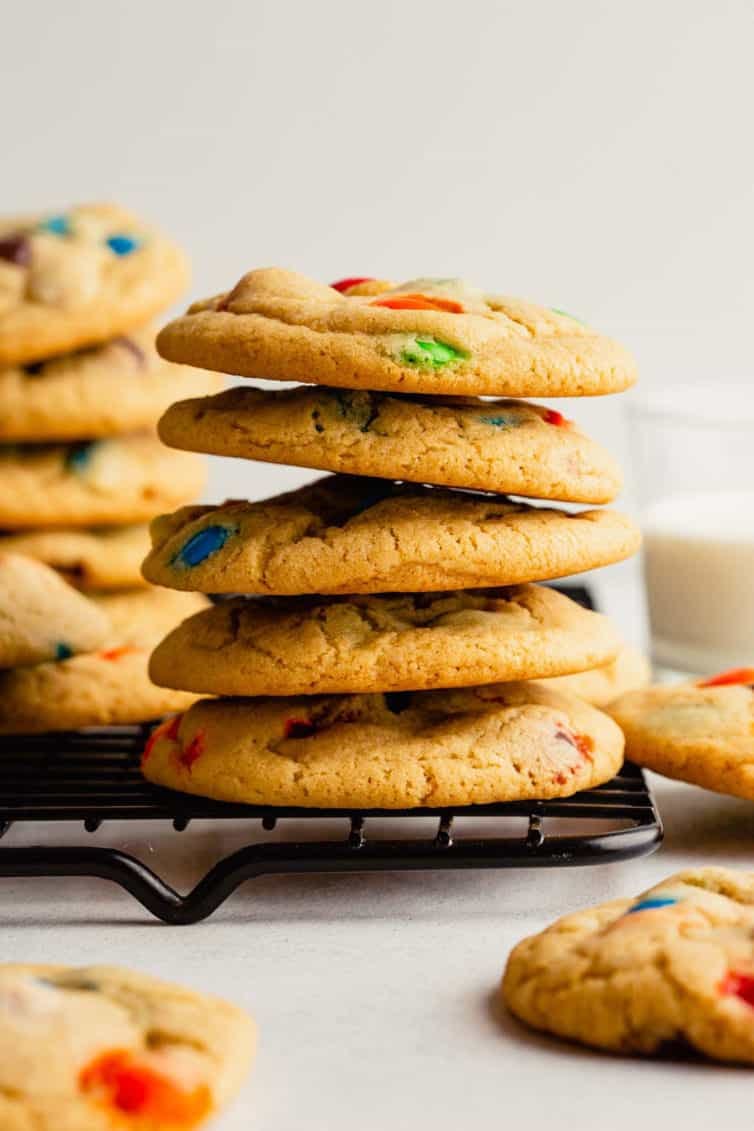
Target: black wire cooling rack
x,y
92,777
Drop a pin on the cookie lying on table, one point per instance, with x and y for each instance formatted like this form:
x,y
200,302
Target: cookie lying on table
x,y
673,967
697,732
98,1048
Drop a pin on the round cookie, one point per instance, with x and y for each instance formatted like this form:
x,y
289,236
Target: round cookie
x,y
97,1048
394,642
426,336
121,386
126,479
80,277
629,671
697,732
505,446
473,746
673,968
105,688
42,618
344,534
103,558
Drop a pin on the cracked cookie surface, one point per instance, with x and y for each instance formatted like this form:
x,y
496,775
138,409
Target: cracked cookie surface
x,y
124,479
393,642
121,386
435,336
345,534
506,446
80,277
701,733
431,748
108,687
43,618
99,558
96,1048
674,967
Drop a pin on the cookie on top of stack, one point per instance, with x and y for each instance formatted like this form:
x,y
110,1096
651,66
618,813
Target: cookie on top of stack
x,y
81,468
387,650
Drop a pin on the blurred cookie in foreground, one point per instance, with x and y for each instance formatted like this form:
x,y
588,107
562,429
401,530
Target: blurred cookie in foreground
x,y
629,671
79,277
104,688
43,618
670,970
96,1048
477,745
701,732
348,534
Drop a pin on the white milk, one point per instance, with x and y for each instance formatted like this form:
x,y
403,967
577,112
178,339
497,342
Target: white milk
x,y
699,566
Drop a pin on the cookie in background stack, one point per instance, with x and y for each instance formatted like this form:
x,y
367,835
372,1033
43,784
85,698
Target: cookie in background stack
x,y
382,653
81,469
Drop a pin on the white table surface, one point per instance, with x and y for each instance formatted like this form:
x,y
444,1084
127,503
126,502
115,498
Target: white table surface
x,y
374,993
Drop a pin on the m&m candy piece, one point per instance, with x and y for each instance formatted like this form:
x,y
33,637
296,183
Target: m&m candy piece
x,y
725,679
56,225
430,351
652,903
552,416
79,457
133,1087
203,544
343,285
419,302
168,729
63,651
501,420
738,983
122,245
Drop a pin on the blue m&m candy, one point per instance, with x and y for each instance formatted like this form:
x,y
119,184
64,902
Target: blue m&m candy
x,y
63,651
652,903
57,225
501,420
122,245
203,544
79,456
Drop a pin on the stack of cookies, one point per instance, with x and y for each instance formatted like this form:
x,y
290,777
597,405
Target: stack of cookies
x,y
81,468
390,646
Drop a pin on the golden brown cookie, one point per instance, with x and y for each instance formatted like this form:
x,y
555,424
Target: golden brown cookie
x,y
396,751
701,733
505,446
97,1048
79,277
674,967
395,642
101,558
121,386
345,534
41,617
435,336
126,479
629,671
104,688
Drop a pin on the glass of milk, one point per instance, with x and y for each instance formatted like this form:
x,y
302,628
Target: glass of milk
x,y
693,467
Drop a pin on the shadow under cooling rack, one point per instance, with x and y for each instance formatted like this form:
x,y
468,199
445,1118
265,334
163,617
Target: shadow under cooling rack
x,y
93,776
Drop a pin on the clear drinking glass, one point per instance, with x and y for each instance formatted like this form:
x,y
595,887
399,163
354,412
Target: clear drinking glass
x,y
693,464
